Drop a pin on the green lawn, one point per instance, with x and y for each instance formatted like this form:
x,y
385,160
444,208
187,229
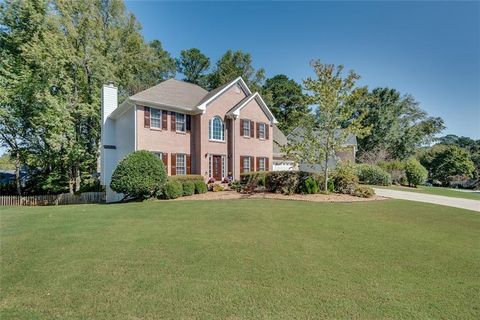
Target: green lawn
x,y
436,191
240,259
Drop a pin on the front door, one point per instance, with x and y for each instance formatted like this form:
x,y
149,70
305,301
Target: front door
x,y
217,167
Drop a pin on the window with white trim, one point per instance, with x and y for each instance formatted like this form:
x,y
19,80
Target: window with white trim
x,y
261,130
180,122
246,128
155,118
261,164
181,165
246,164
217,129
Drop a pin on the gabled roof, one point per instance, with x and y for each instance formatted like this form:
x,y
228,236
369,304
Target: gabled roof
x,y
173,93
188,97
235,111
212,95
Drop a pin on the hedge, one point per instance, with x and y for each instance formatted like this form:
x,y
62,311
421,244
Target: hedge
x,y
187,177
188,188
289,182
200,186
255,178
372,174
171,190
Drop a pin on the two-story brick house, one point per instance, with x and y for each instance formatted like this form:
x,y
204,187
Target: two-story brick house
x,y
216,134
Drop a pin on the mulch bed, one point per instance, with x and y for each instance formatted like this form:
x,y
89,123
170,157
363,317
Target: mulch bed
x,y
226,195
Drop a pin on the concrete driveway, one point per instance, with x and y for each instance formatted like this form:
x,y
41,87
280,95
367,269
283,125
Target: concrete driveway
x,y
429,198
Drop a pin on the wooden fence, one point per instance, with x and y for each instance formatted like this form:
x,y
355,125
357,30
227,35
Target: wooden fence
x,y
53,199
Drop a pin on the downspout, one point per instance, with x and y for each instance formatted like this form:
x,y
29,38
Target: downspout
x,y
135,128
233,148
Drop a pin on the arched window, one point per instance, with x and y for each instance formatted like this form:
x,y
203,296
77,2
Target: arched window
x,y
217,129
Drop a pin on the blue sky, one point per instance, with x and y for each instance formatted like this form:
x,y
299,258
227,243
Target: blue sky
x,y
428,49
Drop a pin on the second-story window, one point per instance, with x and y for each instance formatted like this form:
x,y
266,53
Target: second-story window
x,y
261,130
217,129
246,128
180,122
155,118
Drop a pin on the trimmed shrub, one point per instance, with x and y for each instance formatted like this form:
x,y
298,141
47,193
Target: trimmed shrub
x,y
363,192
187,177
310,185
330,185
256,178
139,175
188,188
396,169
235,185
200,186
372,174
285,182
415,172
171,190
344,178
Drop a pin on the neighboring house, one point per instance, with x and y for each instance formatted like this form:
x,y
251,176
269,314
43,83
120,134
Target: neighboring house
x,y
216,134
281,163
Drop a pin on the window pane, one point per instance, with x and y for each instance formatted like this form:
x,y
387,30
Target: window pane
x,y
261,164
181,164
261,130
180,122
246,128
246,164
155,118
217,129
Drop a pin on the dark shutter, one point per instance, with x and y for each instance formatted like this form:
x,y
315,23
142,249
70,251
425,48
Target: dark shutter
x,y
257,164
258,130
173,164
241,127
267,131
267,165
252,164
173,122
252,129
165,160
241,164
164,119
189,122
188,163
146,117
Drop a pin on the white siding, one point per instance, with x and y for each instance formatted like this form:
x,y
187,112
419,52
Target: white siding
x,y
117,138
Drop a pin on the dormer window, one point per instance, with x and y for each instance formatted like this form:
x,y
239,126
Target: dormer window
x,y
216,129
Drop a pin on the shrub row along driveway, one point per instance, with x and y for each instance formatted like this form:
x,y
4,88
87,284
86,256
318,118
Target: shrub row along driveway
x,y
428,198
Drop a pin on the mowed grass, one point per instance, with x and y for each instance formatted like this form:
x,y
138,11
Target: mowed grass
x,y
240,259
439,191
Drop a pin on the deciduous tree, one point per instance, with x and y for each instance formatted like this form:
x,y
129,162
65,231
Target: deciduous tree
x,y
322,135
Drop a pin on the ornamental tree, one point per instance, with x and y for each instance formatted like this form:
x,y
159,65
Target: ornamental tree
x,y
324,132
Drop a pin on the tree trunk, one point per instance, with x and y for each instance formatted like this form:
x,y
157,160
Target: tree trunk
x,y
325,173
77,178
17,174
